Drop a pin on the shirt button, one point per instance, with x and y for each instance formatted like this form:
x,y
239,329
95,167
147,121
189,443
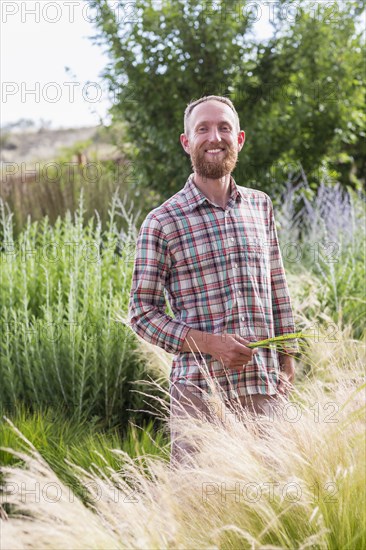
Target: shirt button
x,y
235,266
239,292
243,318
232,239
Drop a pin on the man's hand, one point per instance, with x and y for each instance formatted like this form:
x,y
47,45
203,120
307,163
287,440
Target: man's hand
x,y
287,375
231,350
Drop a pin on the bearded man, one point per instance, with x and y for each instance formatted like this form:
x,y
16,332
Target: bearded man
x,y
213,249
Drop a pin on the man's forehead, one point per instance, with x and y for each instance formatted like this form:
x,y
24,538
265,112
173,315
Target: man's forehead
x,y
212,109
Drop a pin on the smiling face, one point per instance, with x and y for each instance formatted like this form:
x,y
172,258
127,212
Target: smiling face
x,y
213,139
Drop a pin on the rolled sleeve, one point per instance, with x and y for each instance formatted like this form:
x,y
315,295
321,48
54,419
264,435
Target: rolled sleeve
x,y
146,313
281,302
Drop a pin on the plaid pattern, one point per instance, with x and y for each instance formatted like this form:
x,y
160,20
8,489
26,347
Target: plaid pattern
x,y
221,271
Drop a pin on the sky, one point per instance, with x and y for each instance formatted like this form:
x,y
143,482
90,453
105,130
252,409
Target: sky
x,y
50,69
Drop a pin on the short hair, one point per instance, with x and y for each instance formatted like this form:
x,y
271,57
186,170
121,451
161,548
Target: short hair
x,y
196,102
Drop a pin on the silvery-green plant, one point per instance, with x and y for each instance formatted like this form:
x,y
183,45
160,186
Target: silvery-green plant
x,y
62,287
324,232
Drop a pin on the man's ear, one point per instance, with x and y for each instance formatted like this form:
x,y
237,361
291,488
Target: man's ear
x,y
185,143
241,139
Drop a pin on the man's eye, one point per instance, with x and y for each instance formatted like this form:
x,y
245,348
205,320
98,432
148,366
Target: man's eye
x,y
201,128
226,128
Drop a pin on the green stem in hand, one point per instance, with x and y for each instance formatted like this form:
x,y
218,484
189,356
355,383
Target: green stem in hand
x,y
278,340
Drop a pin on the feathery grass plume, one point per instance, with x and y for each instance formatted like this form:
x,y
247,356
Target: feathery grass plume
x,y
40,502
276,482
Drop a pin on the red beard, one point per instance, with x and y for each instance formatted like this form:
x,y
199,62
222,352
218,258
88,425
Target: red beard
x,y
215,168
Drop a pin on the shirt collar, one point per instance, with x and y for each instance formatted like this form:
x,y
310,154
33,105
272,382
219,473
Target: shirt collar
x,y
195,197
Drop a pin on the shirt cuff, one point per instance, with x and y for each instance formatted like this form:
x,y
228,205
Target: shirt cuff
x,y
178,338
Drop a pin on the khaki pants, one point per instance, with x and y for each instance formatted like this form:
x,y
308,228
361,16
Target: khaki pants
x,y
184,402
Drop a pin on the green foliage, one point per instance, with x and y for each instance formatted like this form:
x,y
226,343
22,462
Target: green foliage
x,y
60,343
343,284
331,246
299,95
59,438
304,101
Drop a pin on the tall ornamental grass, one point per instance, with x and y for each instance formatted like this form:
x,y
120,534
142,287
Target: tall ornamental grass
x,y
296,480
54,186
61,289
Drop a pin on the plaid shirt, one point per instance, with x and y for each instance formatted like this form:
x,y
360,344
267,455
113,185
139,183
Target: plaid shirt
x,y
222,271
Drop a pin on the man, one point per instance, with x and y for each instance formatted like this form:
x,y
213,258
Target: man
x,y
213,248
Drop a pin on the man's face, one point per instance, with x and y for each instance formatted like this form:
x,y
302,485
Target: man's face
x,y
213,141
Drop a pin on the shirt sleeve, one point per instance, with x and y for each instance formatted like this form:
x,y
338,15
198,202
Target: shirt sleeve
x,y
146,313
281,302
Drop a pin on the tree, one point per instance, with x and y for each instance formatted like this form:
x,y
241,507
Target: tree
x,y
304,105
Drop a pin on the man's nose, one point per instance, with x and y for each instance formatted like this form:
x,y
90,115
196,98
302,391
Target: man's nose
x,y
214,135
